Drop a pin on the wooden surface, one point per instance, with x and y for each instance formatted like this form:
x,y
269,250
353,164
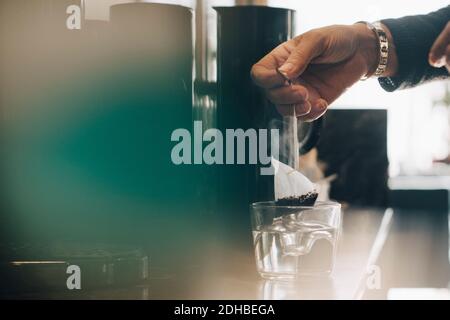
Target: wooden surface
x,y
229,272
410,248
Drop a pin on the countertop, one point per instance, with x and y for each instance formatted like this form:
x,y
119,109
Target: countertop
x,y
406,248
379,249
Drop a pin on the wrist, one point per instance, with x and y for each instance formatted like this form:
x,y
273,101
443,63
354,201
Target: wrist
x,y
369,48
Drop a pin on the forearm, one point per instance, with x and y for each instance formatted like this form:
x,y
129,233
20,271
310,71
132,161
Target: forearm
x,y
411,40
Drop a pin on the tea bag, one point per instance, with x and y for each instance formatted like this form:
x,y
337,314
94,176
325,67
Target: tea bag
x,y
291,187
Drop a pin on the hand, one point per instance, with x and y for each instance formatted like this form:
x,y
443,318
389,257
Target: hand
x,y
440,51
321,64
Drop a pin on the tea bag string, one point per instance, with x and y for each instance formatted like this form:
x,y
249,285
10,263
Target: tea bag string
x,y
291,132
295,150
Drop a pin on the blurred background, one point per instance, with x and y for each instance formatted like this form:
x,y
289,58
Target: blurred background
x,y
86,117
418,118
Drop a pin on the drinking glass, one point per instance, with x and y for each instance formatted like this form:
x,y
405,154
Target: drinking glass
x,y
295,240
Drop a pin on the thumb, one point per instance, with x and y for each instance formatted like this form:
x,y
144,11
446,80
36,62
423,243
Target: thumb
x,y
309,46
437,53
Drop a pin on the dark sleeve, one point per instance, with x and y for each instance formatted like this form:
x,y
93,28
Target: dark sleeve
x,y
413,37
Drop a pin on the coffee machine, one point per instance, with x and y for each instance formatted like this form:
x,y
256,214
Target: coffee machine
x,y
245,33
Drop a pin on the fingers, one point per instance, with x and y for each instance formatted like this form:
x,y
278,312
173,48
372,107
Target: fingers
x,y
293,57
438,56
317,110
444,60
301,109
266,78
265,74
306,111
290,58
293,94
309,46
307,107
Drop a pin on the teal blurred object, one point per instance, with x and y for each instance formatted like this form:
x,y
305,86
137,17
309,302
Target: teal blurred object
x,y
86,152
